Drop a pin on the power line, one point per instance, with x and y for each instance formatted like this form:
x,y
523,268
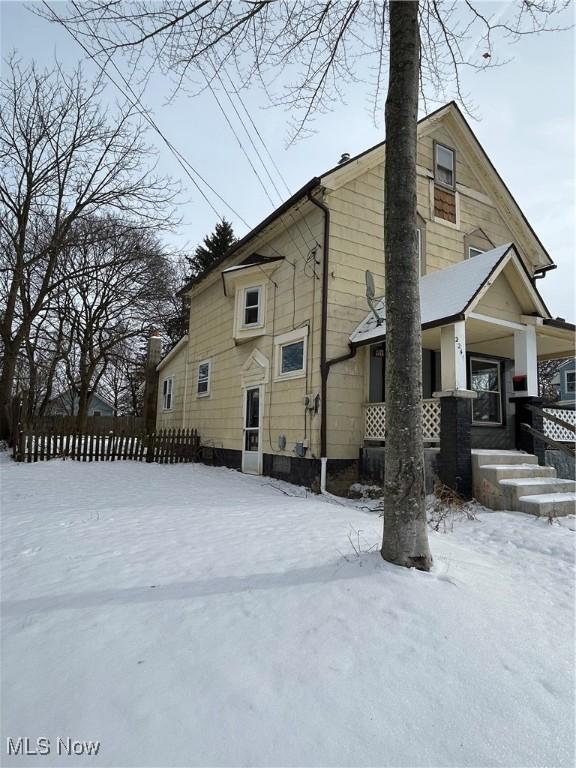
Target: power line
x,y
182,161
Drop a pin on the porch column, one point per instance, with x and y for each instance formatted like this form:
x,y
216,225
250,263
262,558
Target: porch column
x,y
453,356
526,361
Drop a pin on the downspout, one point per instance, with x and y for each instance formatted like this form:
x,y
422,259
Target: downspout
x,y
325,364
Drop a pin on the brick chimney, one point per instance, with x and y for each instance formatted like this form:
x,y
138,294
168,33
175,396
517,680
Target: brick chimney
x,y
153,355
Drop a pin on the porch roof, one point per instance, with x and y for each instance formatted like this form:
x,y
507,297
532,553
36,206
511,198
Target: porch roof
x,y
447,295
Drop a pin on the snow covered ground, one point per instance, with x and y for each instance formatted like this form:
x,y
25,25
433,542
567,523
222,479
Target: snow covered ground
x,y
191,616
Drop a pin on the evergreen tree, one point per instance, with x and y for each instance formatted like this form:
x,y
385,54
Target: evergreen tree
x,y
212,249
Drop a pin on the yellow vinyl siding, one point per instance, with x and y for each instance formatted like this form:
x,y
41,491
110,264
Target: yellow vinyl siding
x,y
219,417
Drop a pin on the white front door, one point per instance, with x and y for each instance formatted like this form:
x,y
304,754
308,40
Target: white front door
x,y
252,443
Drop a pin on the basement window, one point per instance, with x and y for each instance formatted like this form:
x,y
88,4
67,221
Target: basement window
x,y
444,166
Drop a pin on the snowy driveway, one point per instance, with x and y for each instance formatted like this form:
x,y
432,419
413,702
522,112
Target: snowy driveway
x,y
191,616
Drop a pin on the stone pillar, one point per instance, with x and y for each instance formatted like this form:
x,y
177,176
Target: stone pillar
x,y
455,459
524,440
153,355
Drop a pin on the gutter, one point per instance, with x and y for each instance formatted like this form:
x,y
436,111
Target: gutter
x,y
541,271
325,364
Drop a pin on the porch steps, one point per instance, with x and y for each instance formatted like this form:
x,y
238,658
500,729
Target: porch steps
x,y
514,480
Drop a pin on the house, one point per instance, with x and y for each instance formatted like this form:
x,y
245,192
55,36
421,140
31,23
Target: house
x,y
566,381
282,370
66,404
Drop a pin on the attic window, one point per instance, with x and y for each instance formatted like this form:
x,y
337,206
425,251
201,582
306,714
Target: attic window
x,y
444,166
474,252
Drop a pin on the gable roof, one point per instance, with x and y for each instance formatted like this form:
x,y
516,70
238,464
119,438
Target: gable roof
x,y
180,344
358,162
69,396
446,295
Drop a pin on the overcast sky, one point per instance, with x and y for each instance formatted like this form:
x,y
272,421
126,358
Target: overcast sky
x,y
526,126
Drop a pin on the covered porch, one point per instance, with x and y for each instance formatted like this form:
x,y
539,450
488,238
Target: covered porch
x,y
484,329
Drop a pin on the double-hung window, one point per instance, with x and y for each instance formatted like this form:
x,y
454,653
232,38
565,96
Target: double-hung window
x,y
203,381
485,380
167,387
252,307
570,381
444,166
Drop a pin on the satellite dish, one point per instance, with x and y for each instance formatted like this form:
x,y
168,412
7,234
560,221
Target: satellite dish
x,y
370,287
370,294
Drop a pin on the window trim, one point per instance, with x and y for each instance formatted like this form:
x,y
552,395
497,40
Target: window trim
x,y
499,392
285,340
168,391
207,362
437,180
258,323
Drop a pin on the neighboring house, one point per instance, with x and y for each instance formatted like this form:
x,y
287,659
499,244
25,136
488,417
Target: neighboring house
x,y
567,382
66,404
282,371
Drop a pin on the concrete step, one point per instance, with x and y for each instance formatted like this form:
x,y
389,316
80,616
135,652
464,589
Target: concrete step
x,y
515,488
482,457
496,472
548,504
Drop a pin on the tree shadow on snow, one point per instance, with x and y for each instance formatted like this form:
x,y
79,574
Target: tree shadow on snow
x,y
343,568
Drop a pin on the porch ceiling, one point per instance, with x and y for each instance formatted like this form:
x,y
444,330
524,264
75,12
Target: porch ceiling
x,y
495,339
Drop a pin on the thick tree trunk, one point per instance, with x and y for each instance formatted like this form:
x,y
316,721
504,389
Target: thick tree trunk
x,y
10,358
405,540
83,403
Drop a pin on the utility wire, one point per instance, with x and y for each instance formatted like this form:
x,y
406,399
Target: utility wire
x,y
183,162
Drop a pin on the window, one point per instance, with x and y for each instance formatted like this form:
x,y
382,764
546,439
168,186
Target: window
x,y
167,387
251,307
444,166
570,381
474,252
203,383
290,350
292,357
485,380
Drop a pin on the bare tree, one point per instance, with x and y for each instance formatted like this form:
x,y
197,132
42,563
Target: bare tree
x,y
121,284
322,44
63,159
548,371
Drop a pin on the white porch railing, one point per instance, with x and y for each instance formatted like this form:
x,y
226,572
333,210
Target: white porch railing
x,y
375,423
557,431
